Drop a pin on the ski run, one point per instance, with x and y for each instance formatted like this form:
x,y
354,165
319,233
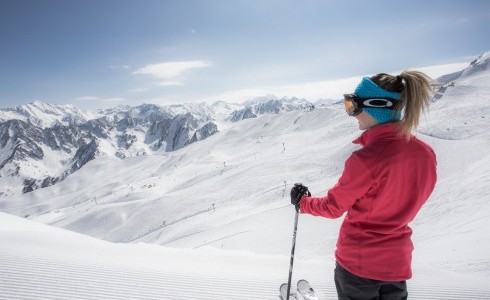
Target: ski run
x,y
81,267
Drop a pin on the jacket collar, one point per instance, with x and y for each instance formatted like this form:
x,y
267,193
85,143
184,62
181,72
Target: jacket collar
x,y
374,133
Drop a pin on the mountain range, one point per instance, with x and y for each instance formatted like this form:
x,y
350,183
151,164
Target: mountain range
x,y
41,143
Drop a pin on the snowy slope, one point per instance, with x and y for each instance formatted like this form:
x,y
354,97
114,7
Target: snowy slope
x,y
227,196
80,267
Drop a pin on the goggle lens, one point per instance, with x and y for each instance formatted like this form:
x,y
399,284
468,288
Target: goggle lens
x,y
350,106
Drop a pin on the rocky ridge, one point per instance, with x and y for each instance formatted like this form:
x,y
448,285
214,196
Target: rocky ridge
x,y
41,144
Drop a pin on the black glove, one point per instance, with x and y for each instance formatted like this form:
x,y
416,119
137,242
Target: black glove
x,y
297,192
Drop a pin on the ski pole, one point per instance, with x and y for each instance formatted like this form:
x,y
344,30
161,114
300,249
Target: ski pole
x,y
292,252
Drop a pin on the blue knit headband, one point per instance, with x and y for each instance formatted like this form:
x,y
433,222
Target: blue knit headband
x,y
368,89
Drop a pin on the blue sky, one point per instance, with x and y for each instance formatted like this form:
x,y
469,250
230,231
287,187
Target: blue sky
x,y
108,52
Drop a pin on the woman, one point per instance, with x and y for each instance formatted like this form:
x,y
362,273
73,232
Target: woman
x,y
383,186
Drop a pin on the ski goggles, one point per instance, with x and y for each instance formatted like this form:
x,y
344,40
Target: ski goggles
x,y
354,104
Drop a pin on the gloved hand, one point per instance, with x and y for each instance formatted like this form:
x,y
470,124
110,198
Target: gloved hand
x,y
297,192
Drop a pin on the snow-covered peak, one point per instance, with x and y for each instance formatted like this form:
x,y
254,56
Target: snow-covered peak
x,y
114,110
272,100
146,111
260,99
44,115
150,111
482,59
272,105
199,109
478,67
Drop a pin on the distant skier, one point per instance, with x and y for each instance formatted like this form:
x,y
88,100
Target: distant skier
x,y
382,188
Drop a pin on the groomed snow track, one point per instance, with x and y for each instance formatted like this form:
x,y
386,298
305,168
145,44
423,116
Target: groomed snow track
x,y
42,262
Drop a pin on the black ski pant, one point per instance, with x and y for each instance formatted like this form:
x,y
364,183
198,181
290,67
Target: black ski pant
x,y
353,287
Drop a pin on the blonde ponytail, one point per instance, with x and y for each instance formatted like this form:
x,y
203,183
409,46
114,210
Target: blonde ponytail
x,y
415,90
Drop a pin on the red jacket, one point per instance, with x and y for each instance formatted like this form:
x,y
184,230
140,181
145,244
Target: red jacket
x,y
382,188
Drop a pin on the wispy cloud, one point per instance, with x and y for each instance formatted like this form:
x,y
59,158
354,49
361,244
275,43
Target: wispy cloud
x,y
171,73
